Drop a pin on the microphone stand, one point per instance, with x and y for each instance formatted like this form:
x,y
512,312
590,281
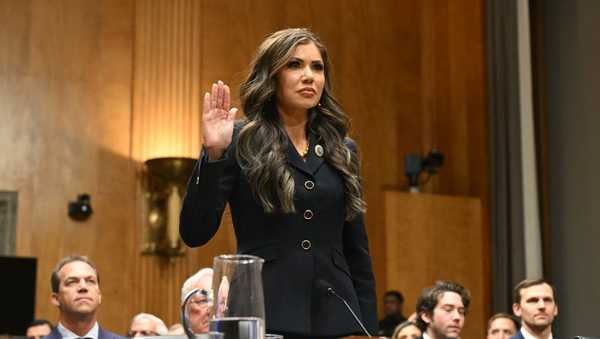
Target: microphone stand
x,y
332,292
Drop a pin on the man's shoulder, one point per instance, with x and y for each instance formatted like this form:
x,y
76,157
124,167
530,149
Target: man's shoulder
x,y
54,334
105,334
519,335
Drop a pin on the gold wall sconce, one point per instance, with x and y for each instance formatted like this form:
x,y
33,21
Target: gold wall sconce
x,y
164,185
165,125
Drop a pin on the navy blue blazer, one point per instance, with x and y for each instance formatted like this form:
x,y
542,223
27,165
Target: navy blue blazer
x,y
519,335
315,243
102,334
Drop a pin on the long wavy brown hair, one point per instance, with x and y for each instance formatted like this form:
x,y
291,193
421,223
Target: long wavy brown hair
x,y
263,140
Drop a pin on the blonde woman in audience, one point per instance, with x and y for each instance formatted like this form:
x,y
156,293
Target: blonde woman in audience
x,y
407,330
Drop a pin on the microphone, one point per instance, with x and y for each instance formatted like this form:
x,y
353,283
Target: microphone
x,y
325,286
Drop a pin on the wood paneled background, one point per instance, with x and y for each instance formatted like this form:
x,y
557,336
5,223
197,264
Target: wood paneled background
x,y
81,81
451,226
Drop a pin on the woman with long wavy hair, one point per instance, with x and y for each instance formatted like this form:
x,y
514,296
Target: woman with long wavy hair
x,y
289,172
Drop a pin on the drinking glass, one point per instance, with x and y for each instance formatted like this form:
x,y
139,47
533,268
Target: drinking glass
x,y
238,309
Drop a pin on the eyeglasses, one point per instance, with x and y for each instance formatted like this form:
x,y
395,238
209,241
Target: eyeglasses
x,y
203,298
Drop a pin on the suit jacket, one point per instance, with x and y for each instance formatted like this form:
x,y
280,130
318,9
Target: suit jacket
x,y
102,334
519,335
312,244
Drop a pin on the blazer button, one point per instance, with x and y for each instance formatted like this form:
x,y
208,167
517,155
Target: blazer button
x,y
306,245
309,185
308,214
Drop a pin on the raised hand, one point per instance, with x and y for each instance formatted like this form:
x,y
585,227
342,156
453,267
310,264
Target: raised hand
x,y
217,120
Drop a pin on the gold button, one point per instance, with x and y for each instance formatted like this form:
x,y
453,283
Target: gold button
x,y
309,185
308,214
306,245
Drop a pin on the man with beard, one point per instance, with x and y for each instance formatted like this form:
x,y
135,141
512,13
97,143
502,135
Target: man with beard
x,y
535,304
76,292
441,310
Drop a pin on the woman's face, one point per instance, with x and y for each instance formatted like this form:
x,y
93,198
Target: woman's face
x,y
409,332
300,82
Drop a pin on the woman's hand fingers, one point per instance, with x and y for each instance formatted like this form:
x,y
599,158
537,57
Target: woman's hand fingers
x,y
217,103
206,103
213,96
226,98
219,94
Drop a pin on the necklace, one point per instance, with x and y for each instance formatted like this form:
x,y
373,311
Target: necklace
x,y
305,153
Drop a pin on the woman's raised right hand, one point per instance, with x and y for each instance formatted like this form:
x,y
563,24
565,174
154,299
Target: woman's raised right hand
x,y
217,120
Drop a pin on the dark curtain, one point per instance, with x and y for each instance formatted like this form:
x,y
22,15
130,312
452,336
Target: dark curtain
x,y
507,242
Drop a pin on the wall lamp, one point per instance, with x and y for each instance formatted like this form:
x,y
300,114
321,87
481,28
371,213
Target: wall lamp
x,y
164,185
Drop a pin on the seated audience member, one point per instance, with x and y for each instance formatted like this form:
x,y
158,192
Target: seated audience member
x,y
502,326
38,328
392,309
407,330
76,293
535,304
199,305
145,324
441,310
176,329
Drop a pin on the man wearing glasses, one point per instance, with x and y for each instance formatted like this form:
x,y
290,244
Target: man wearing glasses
x,y
199,305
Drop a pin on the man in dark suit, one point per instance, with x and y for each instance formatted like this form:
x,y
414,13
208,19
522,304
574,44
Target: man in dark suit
x,y
441,310
535,304
76,293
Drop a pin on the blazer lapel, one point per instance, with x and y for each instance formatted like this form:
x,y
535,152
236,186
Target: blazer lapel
x,y
316,154
314,158
102,334
55,334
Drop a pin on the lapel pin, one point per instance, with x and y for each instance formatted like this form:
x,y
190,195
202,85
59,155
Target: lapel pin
x,y
319,150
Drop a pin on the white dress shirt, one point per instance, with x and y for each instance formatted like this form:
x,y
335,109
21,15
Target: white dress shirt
x,y
67,334
528,335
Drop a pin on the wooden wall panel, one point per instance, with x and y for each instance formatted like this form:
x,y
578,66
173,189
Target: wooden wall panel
x,y
433,237
80,81
167,59
65,82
